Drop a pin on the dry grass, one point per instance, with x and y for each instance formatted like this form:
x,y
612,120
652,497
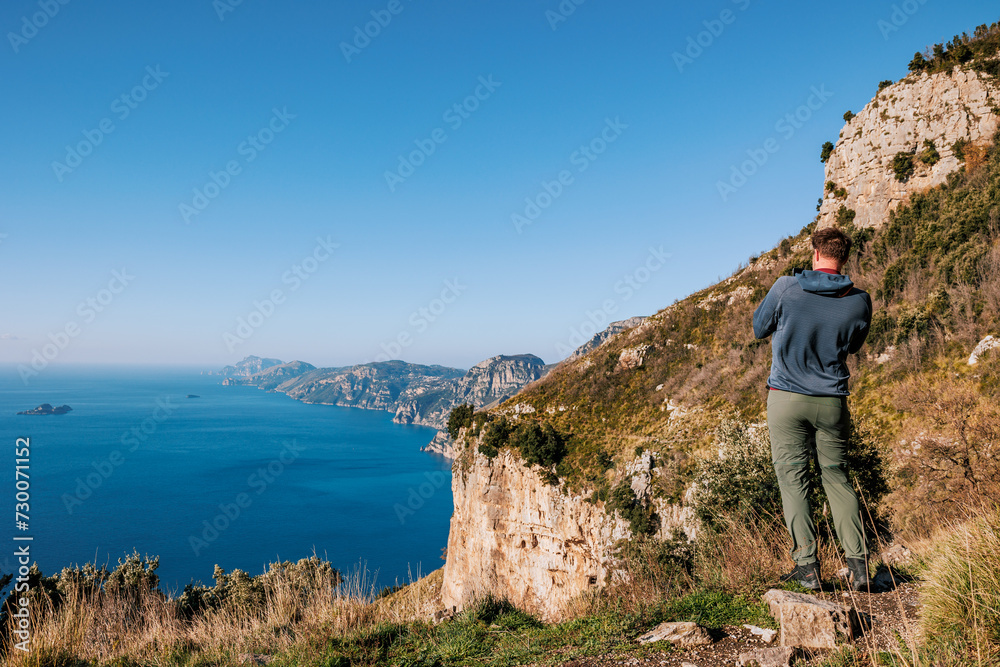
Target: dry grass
x,y
961,593
119,628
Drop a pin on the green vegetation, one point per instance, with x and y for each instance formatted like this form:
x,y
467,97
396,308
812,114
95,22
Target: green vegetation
x,y
962,594
826,152
958,148
740,484
459,418
848,115
640,517
929,155
902,166
982,47
885,84
845,216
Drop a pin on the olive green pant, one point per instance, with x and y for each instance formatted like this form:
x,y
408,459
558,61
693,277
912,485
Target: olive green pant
x,y
795,422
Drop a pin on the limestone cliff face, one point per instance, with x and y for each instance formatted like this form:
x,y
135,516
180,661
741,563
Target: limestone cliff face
x,y
513,534
944,108
539,545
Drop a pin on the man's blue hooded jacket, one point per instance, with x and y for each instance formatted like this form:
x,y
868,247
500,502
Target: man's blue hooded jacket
x,y
816,319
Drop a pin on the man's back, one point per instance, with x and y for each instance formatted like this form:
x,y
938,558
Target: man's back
x,y
816,319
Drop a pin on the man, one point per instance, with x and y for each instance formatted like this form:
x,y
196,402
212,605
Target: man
x,y
816,318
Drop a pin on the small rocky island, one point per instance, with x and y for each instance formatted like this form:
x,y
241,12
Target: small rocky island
x,y
47,409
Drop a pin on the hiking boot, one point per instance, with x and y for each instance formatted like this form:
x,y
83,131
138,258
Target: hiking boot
x,y
858,568
806,576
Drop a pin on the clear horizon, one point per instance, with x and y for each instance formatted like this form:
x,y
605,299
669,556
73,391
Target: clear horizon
x,y
434,182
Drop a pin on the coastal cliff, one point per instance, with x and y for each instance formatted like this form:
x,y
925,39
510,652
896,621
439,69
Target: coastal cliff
x,y
540,545
515,535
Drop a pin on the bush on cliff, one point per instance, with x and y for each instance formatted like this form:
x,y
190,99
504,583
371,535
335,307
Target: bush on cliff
x,y
459,418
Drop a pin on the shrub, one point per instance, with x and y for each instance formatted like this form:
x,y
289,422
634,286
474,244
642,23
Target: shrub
x,y
496,433
641,519
902,166
539,445
845,216
885,84
826,151
950,459
134,576
660,562
460,417
848,116
918,64
958,148
741,481
929,155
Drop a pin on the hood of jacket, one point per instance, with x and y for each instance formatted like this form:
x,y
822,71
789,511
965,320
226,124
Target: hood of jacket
x,y
824,284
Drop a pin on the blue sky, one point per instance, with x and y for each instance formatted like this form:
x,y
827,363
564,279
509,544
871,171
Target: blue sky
x,y
229,161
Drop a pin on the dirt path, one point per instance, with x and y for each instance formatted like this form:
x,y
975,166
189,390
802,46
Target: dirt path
x,y
890,613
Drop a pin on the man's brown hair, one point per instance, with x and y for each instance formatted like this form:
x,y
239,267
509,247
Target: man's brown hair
x,y
832,244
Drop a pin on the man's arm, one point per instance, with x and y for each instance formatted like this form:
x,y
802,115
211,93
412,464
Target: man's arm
x,y
765,318
861,333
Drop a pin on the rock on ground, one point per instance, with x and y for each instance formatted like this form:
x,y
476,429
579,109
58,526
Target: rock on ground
x,y
681,634
779,656
810,622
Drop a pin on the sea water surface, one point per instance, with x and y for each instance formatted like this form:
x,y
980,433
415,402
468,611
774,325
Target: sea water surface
x,y
236,477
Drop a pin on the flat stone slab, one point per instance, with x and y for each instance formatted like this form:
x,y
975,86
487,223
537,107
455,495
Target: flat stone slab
x,y
778,656
810,622
681,634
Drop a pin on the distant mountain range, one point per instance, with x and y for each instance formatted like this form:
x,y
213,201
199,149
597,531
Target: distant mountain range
x,y
415,393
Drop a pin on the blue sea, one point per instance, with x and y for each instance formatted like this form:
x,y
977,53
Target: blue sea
x,y
236,477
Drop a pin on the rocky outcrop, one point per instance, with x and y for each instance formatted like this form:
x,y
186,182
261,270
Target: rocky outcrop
x,y
442,444
515,535
488,383
540,545
47,409
984,346
600,338
943,108
631,357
